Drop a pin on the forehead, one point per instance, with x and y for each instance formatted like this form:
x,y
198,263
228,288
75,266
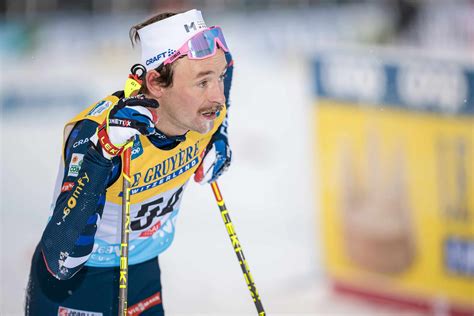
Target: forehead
x,y
216,63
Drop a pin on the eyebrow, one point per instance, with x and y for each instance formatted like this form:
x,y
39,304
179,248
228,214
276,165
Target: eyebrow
x,y
204,73
209,72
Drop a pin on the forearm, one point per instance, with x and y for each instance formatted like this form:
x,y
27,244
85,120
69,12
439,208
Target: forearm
x,y
69,236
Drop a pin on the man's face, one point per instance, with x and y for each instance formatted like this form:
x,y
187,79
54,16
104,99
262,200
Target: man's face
x,y
194,98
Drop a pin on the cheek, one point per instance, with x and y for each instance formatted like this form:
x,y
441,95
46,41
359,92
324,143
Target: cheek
x,y
193,95
185,108
185,103
177,101
191,102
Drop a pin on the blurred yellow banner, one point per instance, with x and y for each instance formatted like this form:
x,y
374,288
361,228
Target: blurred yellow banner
x,y
396,186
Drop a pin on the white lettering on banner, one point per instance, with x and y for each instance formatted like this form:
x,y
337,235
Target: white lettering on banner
x,y
354,76
423,84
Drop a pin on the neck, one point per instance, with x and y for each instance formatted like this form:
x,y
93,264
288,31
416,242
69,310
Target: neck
x,y
168,129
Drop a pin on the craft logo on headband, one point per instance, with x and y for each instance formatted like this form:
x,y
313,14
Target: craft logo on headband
x,y
161,39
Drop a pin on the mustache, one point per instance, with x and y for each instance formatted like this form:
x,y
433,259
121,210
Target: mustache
x,y
215,108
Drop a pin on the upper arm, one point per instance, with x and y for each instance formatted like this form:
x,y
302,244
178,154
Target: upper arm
x,y
76,147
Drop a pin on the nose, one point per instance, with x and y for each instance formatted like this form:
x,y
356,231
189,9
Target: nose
x,y
216,94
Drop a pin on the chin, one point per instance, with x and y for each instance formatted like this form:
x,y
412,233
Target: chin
x,y
206,128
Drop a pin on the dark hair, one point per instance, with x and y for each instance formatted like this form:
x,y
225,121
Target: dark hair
x,y
165,71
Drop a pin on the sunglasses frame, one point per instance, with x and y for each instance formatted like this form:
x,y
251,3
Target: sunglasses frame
x,y
186,51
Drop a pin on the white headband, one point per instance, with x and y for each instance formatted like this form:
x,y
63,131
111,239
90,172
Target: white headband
x,y
161,39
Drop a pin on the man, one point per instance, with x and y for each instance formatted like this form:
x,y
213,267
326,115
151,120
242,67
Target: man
x,y
177,124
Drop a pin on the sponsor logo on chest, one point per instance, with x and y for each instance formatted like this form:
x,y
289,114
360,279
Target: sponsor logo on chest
x,y
167,170
137,149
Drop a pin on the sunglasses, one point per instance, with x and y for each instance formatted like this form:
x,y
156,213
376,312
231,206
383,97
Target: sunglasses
x,y
200,46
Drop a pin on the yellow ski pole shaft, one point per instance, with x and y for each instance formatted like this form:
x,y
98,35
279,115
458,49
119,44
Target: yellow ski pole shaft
x,y
132,87
237,248
123,279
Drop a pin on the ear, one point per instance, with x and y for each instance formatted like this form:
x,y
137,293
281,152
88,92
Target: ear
x,y
155,89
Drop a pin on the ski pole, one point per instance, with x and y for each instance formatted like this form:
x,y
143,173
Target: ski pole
x,y
238,249
123,279
132,86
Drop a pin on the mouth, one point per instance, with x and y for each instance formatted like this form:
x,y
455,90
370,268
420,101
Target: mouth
x,y
210,114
